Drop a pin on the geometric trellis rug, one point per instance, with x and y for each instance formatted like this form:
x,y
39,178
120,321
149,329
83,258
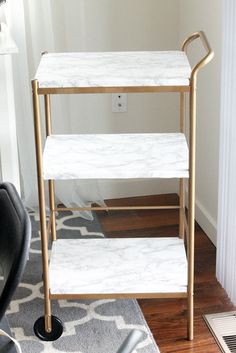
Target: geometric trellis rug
x,y
90,326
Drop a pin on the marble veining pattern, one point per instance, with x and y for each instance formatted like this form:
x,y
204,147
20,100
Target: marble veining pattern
x,y
115,156
104,266
114,69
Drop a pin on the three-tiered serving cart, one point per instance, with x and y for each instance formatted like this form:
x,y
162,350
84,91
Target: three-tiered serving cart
x,y
124,267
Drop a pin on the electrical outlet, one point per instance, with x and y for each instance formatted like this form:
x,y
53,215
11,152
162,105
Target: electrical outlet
x,y
119,102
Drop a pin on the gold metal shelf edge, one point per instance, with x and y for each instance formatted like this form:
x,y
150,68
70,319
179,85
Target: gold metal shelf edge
x,y
120,89
114,208
120,296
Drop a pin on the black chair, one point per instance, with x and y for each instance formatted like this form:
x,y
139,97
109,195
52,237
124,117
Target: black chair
x,y
15,232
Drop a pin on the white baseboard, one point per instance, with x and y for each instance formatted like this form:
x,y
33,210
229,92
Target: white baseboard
x,y
206,221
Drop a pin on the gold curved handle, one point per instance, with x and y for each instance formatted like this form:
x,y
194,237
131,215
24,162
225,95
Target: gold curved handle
x,y
206,59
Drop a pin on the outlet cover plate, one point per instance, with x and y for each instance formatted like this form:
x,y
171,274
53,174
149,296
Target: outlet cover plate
x,y
119,102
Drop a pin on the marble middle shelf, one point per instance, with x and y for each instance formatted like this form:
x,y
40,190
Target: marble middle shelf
x,y
135,267
115,156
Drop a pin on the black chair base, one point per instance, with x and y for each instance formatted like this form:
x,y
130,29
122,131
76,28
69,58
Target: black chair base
x,y
57,329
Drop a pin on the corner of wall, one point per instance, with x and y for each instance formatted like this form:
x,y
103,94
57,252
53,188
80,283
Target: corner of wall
x,y
206,221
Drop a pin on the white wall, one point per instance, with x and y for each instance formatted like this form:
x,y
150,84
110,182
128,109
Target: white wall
x,y
146,25
206,15
107,25
152,25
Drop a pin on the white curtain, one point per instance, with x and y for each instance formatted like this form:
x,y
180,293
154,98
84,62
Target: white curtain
x,y
32,25
226,237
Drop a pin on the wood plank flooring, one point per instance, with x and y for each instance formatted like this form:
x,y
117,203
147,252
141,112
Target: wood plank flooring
x,y
167,317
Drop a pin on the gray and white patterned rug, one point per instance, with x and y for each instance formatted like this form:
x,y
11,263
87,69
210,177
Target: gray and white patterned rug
x,y
90,326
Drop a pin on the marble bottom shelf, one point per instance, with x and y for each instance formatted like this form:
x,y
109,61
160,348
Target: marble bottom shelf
x,y
130,267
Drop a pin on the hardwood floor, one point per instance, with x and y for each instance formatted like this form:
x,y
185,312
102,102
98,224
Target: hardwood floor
x,y
167,317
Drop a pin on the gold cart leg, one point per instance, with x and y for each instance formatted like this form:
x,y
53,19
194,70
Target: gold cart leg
x,y
182,208
192,160
181,182
41,192
51,186
191,195
52,208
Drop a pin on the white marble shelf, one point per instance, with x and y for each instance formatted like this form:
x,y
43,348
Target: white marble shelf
x,y
115,156
113,69
118,266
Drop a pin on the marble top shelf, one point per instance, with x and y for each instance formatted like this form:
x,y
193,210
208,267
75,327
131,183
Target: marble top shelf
x,y
115,156
133,267
113,69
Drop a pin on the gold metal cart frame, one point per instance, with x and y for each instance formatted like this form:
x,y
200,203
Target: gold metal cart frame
x,y
184,226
